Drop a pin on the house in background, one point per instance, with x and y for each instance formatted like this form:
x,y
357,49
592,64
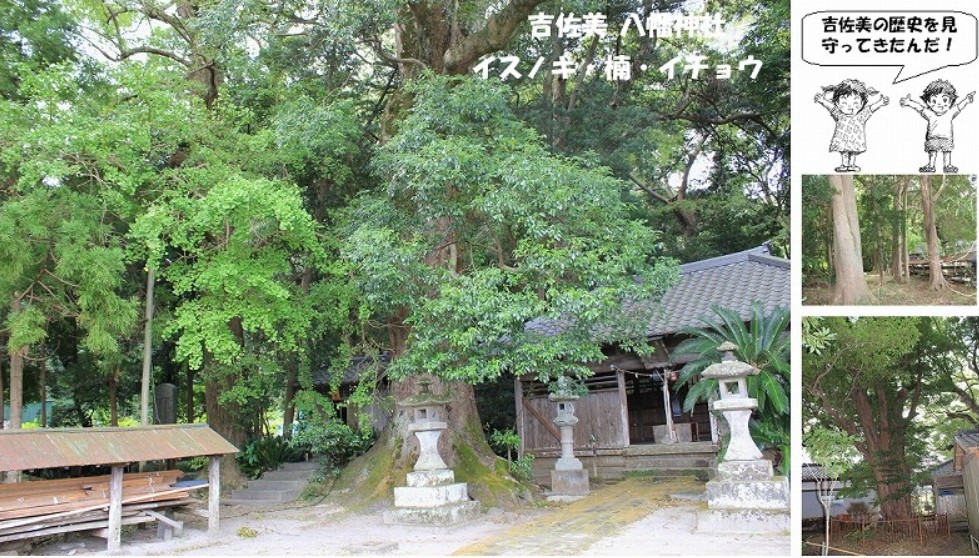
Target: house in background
x,y
948,493
814,479
31,412
632,418
966,463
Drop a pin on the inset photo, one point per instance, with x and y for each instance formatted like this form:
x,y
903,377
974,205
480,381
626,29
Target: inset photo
x,y
889,240
890,435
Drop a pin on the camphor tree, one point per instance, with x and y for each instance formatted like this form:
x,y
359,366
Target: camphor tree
x,y
480,230
868,379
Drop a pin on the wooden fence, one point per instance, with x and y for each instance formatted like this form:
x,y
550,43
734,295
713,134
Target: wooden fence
x,y
920,527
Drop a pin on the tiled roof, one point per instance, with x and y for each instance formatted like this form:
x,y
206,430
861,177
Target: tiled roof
x,y
813,472
944,469
733,281
967,439
358,364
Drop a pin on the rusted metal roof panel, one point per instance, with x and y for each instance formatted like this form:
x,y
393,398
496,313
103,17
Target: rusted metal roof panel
x,y
56,447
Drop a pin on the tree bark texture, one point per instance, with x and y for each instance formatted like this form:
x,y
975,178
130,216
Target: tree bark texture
x,y
928,200
898,268
2,425
884,443
851,285
17,357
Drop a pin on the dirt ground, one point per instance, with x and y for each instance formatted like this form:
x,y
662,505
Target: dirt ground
x,y
956,544
632,517
914,293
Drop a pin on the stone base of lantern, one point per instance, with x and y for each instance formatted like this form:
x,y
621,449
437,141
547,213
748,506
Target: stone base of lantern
x,y
448,514
743,521
771,494
432,497
746,498
748,485
568,485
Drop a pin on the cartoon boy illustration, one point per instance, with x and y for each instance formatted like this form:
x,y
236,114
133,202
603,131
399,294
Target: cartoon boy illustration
x,y
939,96
847,104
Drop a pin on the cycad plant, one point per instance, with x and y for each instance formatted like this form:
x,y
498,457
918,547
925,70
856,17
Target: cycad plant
x,y
763,343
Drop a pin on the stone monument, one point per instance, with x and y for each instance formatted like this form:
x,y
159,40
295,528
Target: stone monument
x,y
165,404
745,497
569,480
432,495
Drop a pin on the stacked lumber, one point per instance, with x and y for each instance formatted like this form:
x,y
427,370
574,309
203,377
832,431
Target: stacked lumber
x,y
42,498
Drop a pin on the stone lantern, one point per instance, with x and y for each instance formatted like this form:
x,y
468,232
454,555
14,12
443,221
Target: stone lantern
x,y
426,412
432,495
745,497
735,404
568,479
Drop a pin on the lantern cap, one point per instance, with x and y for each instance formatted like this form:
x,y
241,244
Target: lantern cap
x,y
730,366
424,397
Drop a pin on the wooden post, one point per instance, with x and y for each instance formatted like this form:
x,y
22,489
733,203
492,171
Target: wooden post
x,y
214,495
668,409
114,537
623,407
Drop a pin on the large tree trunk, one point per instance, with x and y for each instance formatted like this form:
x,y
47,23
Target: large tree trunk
x,y
288,400
226,418
17,357
928,200
189,390
432,35
898,267
878,243
851,285
904,230
883,449
462,445
2,421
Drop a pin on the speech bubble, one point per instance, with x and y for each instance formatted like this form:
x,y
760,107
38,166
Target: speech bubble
x,y
918,41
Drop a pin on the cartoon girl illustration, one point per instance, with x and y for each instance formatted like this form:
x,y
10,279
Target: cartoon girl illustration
x,y
939,96
847,104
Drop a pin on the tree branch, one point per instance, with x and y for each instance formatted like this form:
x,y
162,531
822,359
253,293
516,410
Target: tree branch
x,y
499,28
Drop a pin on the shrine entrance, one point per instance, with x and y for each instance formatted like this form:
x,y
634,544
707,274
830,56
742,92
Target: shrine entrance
x,y
656,414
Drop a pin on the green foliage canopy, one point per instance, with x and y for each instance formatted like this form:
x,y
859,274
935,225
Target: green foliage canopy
x,y
528,235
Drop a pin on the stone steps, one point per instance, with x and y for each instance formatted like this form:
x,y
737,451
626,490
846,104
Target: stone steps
x,y
275,487
666,464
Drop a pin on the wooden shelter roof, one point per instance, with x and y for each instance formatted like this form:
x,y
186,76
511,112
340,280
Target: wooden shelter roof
x,y
22,450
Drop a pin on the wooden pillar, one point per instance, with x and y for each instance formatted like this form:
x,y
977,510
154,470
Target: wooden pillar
x,y
114,537
623,406
214,495
668,409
